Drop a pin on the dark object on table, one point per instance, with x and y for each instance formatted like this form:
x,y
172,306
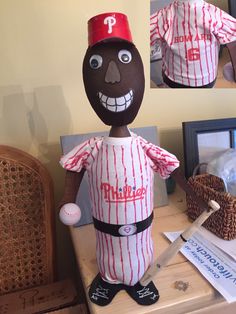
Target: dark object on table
x,y
232,52
232,7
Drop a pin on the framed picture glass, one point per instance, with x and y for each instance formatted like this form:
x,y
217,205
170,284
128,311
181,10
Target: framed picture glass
x,y
205,140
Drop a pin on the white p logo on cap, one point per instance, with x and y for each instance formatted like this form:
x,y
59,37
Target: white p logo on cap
x,y
110,21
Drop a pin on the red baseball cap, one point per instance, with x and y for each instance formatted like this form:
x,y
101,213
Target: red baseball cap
x,y
108,25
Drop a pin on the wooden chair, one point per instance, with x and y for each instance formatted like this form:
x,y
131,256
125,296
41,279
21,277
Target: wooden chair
x,y
26,222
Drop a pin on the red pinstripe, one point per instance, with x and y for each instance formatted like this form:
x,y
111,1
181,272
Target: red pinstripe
x,y
216,43
183,25
109,214
125,179
130,263
116,178
105,235
211,52
113,258
146,169
165,47
92,187
125,204
133,171
181,67
150,195
150,242
205,32
148,235
148,246
105,266
171,43
108,180
102,267
189,32
100,213
145,234
135,212
200,61
142,209
108,257
117,220
122,262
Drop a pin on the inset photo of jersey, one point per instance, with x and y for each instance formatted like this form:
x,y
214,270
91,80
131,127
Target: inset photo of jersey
x,y
193,43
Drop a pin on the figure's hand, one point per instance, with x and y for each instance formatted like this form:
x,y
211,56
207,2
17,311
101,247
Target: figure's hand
x,y
228,72
70,214
232,52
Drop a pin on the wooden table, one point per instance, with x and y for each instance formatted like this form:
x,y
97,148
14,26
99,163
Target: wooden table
x,y
200,296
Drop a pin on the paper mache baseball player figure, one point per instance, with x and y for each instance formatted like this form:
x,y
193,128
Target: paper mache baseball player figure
x,y
120,166
190,34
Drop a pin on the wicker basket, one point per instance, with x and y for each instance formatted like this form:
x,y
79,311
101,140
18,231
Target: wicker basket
x,y
210,187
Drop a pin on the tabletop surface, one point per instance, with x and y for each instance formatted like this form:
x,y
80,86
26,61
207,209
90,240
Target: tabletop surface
x,y
199,297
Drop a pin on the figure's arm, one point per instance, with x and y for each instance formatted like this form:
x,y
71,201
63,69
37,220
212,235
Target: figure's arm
x,y
183,183
232,52
72,184
75,163
70,212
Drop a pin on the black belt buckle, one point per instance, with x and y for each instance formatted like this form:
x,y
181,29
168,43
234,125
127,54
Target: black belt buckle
x,y
128,230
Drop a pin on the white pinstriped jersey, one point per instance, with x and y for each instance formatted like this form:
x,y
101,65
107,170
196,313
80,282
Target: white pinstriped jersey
x,y
120,172
191,32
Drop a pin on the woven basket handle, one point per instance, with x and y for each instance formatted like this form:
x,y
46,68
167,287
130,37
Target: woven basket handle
x,y
195,170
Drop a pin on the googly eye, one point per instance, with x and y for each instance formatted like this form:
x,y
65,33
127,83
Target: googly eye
x,y
124,56
95,62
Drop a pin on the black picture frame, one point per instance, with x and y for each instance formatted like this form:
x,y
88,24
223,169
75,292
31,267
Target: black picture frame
x,y
232,7
191,129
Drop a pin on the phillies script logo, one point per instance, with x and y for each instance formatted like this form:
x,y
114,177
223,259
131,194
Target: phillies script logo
x,y
121,195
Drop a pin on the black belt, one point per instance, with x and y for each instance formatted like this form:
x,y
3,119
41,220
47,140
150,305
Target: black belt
x,y
123,230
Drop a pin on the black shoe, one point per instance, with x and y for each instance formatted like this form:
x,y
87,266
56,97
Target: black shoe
x,y
143,295
102,292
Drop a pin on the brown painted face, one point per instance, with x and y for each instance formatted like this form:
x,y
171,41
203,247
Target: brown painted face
x,y
114,81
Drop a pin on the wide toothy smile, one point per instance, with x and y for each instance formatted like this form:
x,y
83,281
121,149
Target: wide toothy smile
x,y
116,104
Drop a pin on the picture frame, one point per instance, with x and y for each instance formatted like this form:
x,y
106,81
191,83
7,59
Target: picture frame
x,y
232,7
205,139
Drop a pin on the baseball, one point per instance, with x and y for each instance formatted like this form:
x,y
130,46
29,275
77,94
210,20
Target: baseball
x,y
70,214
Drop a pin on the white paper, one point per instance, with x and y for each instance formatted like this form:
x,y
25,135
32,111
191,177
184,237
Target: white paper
x,y
217,267
228,247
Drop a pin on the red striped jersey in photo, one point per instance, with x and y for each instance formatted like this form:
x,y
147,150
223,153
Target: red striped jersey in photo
x,y
190,33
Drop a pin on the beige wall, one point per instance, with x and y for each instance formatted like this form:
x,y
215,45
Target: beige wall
x,y
41,92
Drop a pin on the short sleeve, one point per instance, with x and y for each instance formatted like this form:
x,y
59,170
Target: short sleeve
x,y
78,157
162,162
225,27
157,26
